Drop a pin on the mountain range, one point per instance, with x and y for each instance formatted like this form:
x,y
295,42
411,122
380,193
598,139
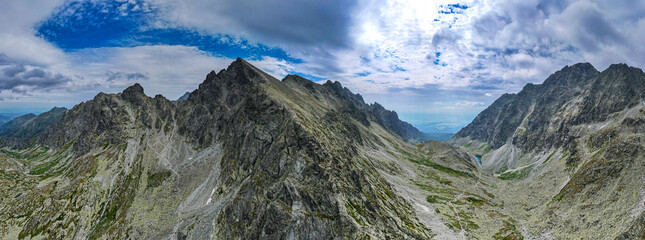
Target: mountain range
x,y
248,156
574,147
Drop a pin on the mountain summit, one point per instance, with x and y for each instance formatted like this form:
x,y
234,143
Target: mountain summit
x,y
573,147
245,155
248,156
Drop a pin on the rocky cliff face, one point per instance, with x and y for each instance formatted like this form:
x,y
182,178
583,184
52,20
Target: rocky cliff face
x,y
354,105
244,156
532,109
248,156
574,144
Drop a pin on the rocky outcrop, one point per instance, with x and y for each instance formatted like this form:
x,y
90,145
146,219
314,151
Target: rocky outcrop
x,y
354,105
109,119
615,89
244,156
574,146
535,106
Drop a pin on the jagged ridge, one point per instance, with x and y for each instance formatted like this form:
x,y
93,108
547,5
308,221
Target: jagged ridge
x,y
244,156
570,150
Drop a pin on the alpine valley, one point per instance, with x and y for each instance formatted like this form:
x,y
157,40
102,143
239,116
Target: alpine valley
x,y
248,156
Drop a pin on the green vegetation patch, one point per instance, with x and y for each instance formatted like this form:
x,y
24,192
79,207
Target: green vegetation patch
x,y
461,221
436,199
443,168
508,232
476,201
549,157
44,167
516,175
502,170
355,212
12,154
427,162
156,179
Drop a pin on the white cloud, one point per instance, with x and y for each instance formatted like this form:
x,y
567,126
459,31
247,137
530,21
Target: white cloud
x,y
384,49
276,67
17,34
160,69
169,70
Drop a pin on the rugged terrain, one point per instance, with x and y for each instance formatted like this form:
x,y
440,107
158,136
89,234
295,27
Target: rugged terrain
x,y
248,156
570,153
243,156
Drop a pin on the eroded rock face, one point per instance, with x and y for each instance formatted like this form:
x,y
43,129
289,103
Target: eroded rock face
x,y
354,105
248,156
244,156
535,105
574,145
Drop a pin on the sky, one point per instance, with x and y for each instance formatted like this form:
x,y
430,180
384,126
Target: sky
x,y
437,63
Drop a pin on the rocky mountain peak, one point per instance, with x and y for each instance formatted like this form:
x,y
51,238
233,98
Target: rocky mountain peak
x,y
344,92
616,88
579,73
583,66
618,67
134,89
244,70
622,71
334,85
133,94
235,80
532,107
533,118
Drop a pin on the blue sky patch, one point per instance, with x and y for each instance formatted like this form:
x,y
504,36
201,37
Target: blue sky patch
x,y
452,8
90,24
436,56
458,6
363,74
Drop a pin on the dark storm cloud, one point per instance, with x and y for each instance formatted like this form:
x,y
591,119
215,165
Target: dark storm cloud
x,y
21,78
593,27
311,30
300,22
111,76
12,70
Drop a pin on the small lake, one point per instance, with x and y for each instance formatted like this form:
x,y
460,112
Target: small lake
x,y
479,159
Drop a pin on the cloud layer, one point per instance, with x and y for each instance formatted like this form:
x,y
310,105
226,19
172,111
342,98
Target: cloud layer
x,y
18,79
433,61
